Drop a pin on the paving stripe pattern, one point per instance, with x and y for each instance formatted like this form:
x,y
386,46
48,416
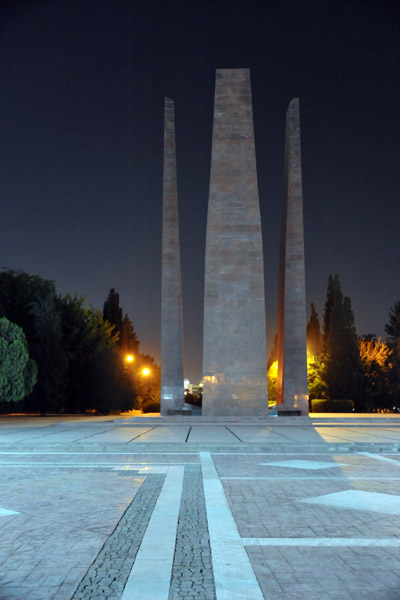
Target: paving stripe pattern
x,y
250,506
107,576
317,542
150,576
233,574
192,574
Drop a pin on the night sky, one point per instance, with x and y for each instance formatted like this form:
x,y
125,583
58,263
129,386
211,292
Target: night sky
x,y
82,87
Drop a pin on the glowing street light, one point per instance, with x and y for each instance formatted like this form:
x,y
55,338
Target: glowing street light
x,y
145,371
129,358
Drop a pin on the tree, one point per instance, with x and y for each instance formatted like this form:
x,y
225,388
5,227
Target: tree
x,y
343,365
69,341
112,312
17,292
393,340
376,361
373,350
273,357
272,376
393,330
50,356
314,339
331,293
316,372
146,375
128,341
110,389
85,333
17,370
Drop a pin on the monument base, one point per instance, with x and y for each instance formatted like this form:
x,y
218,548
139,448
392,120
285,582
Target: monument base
x,y
233,401
289,413
172,399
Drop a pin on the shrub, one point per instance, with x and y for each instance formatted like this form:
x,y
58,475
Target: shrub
x,y
194,400
342,405
319,405
322,406
17,370
150,406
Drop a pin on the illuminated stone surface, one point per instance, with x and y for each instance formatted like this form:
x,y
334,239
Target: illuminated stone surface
x,y
234,352
105,513
292,386
6,512
359,500
312,465
172,390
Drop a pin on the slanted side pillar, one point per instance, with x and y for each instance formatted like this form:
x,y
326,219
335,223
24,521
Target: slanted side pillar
x,y
234,349
172,387
292,386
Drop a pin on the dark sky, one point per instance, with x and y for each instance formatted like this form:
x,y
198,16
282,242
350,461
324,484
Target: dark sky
x,y
82,87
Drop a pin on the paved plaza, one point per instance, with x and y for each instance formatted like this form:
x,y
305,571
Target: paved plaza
x,y
152,508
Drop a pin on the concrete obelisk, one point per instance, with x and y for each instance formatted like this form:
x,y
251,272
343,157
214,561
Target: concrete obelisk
x,y
234,349
172,387
292,386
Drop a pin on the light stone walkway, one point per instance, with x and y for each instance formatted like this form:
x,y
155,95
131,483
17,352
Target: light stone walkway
x,y
185,508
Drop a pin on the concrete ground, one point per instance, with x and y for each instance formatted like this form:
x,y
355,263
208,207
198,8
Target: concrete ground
x,y
155,508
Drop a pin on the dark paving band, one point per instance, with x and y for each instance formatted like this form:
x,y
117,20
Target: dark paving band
x,y
192,574
107,576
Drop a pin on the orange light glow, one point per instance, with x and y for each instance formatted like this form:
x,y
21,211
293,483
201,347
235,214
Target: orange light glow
x,y
145,371
129,358
274,368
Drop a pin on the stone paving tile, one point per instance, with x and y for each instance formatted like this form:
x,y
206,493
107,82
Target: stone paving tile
x,y
65,518
92,459
160,447
266,509
272,508
68,496
392,457
348,466
331,573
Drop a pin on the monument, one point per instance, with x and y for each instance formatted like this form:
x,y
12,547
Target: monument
x,y
234,347
172,388
292,386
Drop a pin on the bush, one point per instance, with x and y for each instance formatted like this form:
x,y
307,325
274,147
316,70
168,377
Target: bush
x,y
342,405
151,406
326,406
7,408
193,400
319,405
17,370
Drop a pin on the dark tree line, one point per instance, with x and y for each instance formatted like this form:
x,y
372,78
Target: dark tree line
x,y
77,351
127,340
343,366
142,370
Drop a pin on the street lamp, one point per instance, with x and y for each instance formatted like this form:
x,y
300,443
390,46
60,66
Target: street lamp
x,y
145,371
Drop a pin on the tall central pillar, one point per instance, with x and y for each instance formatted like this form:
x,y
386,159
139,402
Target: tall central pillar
x,y
172,387
292,386
234,347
